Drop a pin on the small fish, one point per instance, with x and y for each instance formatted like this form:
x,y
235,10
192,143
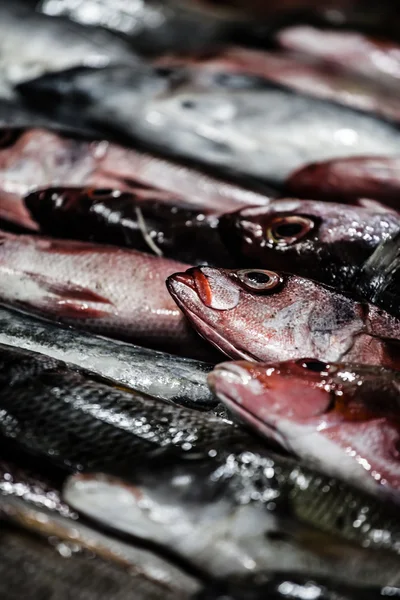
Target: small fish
x,y
245,513
111,291
328,242
256,314
164,376
343,418
37,158
347,180
236,124
138,219
73,420
378,59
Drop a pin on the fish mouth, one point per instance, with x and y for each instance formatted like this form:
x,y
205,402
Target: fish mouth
x,y
205,330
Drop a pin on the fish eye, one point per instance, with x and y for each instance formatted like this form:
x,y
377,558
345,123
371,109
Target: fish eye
x,y
101,193
259,280
288,230
316,366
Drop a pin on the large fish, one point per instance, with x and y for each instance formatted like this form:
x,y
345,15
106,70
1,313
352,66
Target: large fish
x,y
349,179
244,514
36,158
107,290
164,376
235,123
266,315
328,242
344,418
54,44
138,219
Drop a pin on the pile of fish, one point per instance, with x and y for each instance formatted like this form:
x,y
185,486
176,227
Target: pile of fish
x,y
199,300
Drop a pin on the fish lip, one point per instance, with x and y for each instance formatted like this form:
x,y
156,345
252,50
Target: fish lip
x,y
188,280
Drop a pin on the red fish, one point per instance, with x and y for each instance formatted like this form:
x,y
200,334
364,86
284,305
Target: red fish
x,y
343,418
264,315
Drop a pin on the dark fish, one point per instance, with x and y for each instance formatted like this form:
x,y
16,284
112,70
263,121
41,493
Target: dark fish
x,y
326,242
107,290
139,219
344,418
240,515
164,376
36,158
54,44
274,316
375,58
347,180
235,123
54,412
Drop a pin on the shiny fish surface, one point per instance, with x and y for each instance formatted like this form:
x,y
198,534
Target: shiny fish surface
x,y
140,220
234,516
344,418
257,314
37,158
164,376
69,419
328,242
236,124
111,291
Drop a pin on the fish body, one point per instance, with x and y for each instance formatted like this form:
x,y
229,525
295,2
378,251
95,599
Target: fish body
x,y
37,158
234,123
163,376
245,513
107,290
256,314
140,220
328,242
347,180
344,418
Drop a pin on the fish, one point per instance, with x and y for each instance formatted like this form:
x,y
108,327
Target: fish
x,y
342,417
111,291
72,420
327,242
246,513
376,58
303,74
229,122
71,45
262,315
38,158
347,180
166,377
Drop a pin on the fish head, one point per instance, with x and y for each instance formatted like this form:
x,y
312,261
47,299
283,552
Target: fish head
x,y
266,315
315,238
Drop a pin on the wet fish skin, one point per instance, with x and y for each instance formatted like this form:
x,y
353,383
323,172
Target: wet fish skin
x,y
69,419
140,219
327,242
347,180
244,513
37,158
103,289
343,418
255,314
229,122
164,376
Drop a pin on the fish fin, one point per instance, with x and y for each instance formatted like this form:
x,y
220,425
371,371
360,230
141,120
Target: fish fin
x,y
68,291
381,268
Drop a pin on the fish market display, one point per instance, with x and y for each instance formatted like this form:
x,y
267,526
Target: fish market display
x,y
343,417
177,230
38,158
234,516
107,290
257,314
326,242
347,180
243,125
164,376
